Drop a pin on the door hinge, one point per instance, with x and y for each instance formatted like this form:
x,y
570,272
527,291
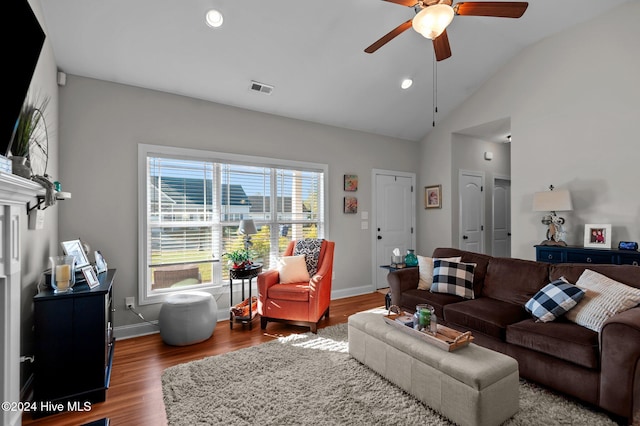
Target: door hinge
x,y
481,188
482,227
412,229
411,188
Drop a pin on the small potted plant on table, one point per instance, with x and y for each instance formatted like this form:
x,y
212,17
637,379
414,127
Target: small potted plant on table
x,y
239,259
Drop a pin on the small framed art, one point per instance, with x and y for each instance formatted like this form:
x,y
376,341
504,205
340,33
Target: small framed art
x,y
74,248
90,275
350,205
433,197
351,183
597,235
101,263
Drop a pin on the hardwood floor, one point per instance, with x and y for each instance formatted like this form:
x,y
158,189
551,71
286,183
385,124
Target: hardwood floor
x,y
135,393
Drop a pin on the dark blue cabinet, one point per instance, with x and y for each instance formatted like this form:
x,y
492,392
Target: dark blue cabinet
x,y
572,254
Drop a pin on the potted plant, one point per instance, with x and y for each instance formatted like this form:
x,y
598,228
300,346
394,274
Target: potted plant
x,y
31,114
240,258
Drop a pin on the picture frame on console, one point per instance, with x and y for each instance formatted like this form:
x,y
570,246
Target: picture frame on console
x,y
74,248
597,235
90,276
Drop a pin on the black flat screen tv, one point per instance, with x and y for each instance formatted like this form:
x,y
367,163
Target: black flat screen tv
x,y
22,48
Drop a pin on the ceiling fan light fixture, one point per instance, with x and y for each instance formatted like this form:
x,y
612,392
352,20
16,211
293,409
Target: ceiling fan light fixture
x,y
214,18
433,20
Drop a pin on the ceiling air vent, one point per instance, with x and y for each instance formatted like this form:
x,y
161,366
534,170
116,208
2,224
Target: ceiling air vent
x,y
261,87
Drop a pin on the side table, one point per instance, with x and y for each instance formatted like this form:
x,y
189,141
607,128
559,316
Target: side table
x,y
387,297
247,273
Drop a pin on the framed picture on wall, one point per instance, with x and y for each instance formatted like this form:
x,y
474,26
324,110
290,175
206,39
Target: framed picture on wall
x,y
433,197
351,183
350,205
597,235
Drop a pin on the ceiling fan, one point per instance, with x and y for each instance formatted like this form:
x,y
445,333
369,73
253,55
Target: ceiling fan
x,y
433,17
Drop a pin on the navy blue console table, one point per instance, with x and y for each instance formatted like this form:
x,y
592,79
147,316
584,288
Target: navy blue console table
x,y
575,254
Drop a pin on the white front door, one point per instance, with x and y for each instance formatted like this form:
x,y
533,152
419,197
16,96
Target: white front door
x,y
471,190
501,244
394,219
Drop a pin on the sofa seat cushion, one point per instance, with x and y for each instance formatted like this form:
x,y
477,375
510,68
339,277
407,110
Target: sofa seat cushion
x,y
295,292
413,297
561,339
486,315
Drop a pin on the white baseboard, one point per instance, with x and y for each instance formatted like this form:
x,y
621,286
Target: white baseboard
x,y
151,327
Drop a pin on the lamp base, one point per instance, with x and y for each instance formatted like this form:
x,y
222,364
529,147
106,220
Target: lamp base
x,y
553,243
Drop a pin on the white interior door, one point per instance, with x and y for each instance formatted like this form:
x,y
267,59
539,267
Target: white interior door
x,y
394,219
471,190
501,244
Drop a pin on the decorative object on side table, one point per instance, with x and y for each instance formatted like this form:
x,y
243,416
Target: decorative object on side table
x,y
63,273
238,259
433,197
597,235
553,201
74,248
410,259
247,228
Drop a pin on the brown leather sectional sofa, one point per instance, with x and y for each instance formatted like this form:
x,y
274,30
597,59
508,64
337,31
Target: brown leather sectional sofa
x,y
602,369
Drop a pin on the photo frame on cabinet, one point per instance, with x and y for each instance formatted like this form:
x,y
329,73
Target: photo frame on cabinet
x,y
90,276
101,263
597,235
74,248
433,197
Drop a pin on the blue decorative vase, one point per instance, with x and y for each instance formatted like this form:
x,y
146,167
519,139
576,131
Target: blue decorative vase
x,y
411,259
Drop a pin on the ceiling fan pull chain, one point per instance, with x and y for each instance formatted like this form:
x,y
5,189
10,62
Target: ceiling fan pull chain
x,y
435,90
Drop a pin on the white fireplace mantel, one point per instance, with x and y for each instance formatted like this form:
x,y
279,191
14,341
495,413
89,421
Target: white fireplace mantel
x,y
15,192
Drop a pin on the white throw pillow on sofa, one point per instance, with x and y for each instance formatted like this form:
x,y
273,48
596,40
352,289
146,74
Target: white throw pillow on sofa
x,y
425,269
603,299
293,269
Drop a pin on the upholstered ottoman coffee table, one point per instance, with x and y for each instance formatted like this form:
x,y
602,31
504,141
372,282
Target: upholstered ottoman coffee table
x,y
470,386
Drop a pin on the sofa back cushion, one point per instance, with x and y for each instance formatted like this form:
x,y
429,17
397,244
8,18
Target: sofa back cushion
x,y
626,274
481,261
514,280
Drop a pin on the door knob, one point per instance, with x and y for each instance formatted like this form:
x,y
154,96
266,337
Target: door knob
x,y
464,237
379,237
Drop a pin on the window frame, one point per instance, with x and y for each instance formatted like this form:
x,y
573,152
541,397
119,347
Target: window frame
x,y
145,296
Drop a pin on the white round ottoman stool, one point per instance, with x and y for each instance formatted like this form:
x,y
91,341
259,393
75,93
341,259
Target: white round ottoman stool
x,y
188,318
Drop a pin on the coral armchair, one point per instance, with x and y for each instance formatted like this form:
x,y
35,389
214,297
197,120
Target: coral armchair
x,y
303,303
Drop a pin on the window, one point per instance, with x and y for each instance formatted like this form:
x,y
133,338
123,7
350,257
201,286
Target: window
x,y
191,205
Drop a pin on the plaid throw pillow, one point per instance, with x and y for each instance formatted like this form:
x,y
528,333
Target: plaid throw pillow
x,y
453,278
310,248
554,300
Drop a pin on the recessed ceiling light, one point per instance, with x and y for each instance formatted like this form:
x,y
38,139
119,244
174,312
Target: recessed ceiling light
x,y
406,83
214,18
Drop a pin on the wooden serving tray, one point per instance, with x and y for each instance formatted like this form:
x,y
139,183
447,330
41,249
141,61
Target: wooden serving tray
x,y
446,338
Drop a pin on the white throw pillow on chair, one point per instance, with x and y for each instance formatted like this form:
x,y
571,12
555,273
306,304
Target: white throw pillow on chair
x,y
293,269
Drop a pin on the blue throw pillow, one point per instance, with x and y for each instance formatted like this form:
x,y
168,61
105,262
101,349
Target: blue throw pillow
x,y
453,278
554,300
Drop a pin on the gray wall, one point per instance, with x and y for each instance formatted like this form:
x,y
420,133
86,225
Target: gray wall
x,y
101,124
574,111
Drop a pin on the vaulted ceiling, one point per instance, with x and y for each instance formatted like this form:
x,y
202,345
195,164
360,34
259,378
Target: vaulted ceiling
x,y
311,53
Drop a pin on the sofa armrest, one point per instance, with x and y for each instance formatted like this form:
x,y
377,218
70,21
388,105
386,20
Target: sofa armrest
x,y
620,364
401,281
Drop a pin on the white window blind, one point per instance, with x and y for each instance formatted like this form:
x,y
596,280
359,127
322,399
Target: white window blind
x,y
193,205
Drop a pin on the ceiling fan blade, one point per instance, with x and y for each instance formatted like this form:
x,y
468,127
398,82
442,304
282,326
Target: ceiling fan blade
x,y
441,46
408,3
389,36
499,9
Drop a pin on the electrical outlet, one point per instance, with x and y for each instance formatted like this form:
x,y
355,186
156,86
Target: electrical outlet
x,y
129,302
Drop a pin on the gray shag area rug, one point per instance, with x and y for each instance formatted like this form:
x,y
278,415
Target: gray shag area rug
x,y
308,379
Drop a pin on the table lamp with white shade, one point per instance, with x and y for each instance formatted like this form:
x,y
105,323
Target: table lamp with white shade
x,y
247,228
553,201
